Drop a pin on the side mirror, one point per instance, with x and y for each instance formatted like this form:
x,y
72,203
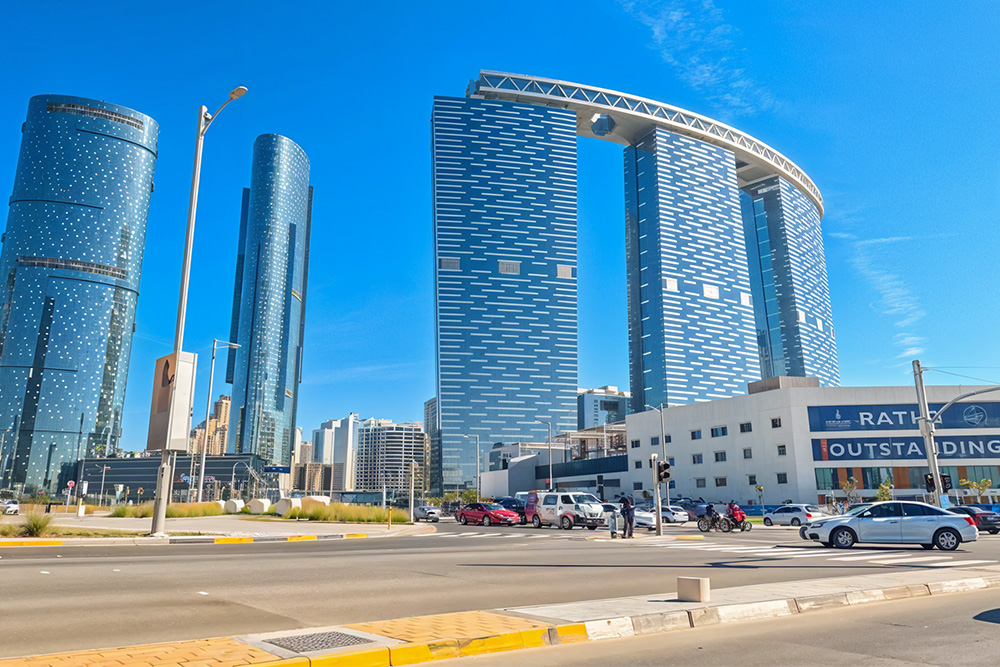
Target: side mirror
x,y
866,515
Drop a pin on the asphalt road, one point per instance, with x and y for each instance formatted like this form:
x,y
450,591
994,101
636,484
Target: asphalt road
x,y
120,595
960,629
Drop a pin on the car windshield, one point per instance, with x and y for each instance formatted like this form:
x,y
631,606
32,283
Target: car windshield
x,y
492,506
857,509
584,498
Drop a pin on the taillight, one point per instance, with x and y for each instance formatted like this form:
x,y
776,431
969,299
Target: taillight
x,y
808,515
972,522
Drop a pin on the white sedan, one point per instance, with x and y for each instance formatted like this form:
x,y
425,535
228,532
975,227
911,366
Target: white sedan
x,y
893,522
674,514
644,519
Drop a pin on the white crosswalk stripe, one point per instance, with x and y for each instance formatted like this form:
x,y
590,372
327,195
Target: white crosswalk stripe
x,y
961,563
908,559
870,555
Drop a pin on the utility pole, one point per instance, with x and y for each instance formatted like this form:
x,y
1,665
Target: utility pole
x,y
927,431
413,473
657,510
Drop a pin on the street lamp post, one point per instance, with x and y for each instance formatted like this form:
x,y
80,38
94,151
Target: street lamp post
x,y
663,449
208,412
478,462
552,481
163,479
104,472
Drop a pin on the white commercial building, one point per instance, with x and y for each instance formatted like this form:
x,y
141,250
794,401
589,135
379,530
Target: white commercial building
x,y
800,443
335,443
388,454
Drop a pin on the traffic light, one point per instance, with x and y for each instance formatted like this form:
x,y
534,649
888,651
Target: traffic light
x,y
946,483
928,482
759,488
663,471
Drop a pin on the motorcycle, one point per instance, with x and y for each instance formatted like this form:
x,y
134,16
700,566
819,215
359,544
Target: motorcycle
x,y
716,521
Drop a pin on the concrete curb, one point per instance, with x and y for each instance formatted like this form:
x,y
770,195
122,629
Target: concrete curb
x,y
161,541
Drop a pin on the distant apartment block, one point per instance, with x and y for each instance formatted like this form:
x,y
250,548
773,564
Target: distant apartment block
x,y
387,453
605,405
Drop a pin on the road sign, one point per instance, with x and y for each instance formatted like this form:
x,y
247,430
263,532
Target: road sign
x,y
71,484
277,469
83,487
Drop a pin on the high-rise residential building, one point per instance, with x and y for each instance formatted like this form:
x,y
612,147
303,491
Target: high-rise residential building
x,y
71,261
218,430
388,454
726,276
605,405
269,301
432,461
335,443
505,276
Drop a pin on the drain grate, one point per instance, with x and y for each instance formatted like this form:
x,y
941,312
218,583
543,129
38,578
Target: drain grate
x,y
318,641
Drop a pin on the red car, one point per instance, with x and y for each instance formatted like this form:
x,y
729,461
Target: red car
x,y
487,514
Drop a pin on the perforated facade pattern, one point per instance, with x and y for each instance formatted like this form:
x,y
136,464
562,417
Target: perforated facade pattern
x,y
71,262
504,222
269,301
794,319
691,326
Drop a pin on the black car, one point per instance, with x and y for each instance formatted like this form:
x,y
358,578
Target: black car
x,y
986,520
514,505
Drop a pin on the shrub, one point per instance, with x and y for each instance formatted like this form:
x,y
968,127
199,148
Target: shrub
x,y
353,514
193,509
35,524
8,530
133,511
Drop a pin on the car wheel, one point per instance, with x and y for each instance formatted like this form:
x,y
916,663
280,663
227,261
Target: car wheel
x,y
796,522
536,522
523,520
591,527
487,521
435,520
843,538
995,531
768,522
927,546
566,523
462,520
947,539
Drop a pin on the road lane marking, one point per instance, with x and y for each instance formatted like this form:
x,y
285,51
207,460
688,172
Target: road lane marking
x,y
870,555
906,560
960,563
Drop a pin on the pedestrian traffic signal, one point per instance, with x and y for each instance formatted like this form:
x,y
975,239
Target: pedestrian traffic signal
x,y
946,483
928,482
663,471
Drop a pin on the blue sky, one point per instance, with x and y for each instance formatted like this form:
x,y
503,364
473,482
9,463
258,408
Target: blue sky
x,y
890,107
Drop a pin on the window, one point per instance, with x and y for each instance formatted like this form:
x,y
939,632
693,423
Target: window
x,y
696,435
824,479
635,444
775,422
711,291
565,271
696,459
802,314
720,481
819,324
782,478
670,284
550,500
886,510
977,473
720,457
566,500
449,263
872,478
699,483
638,465
637,486
752,480
782,450
650,462
666,439
747,453
746,299
509,267
718,431
654,441
93,112
746,427
912,509
671,461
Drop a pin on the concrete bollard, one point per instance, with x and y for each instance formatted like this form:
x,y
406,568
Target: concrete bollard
x,y
693,589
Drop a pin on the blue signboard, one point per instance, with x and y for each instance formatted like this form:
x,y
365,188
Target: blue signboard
x,y
901,417
277,469
889,449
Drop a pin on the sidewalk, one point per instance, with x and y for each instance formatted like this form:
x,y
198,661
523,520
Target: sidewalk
x,y
419,639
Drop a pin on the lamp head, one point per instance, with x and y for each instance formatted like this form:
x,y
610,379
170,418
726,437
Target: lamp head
x,y
237,92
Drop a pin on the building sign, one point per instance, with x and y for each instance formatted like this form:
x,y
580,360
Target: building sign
x,y
901,417
889,449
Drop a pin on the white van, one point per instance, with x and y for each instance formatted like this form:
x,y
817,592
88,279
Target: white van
x,y
565,509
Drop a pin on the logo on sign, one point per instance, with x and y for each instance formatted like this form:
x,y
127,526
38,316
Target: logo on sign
x,y
974,415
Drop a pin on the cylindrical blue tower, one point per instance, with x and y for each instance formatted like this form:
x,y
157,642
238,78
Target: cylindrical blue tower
x,y
269,301
70,267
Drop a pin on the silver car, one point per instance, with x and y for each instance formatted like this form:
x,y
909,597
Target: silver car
x,y
894,522
10,507
427,513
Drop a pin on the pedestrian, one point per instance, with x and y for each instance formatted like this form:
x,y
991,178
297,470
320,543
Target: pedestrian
x,y
628,516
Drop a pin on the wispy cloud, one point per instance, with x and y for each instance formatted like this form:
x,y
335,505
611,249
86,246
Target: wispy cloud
x,y
694,39
383,372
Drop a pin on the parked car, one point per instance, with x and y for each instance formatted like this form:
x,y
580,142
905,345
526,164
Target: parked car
x,y
894,522
645,519
427,513
792,515
564,509
10,507
486,514
986,520
674,514
514,505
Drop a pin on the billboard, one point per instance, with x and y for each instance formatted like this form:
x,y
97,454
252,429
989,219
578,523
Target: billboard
x,y
173,392
897,448
901,417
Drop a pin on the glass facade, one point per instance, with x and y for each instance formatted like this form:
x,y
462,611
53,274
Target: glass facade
x,y
269,301
504,178
71,261
791,295
691,321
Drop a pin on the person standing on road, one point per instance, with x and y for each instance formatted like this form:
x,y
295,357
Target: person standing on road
x,y
628,515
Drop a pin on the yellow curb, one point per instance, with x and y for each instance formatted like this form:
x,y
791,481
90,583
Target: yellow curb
x,y
372,657
535,638
355,536
301,538
30,543
506,642
233,540
689,537
410,654
284,662
570,634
